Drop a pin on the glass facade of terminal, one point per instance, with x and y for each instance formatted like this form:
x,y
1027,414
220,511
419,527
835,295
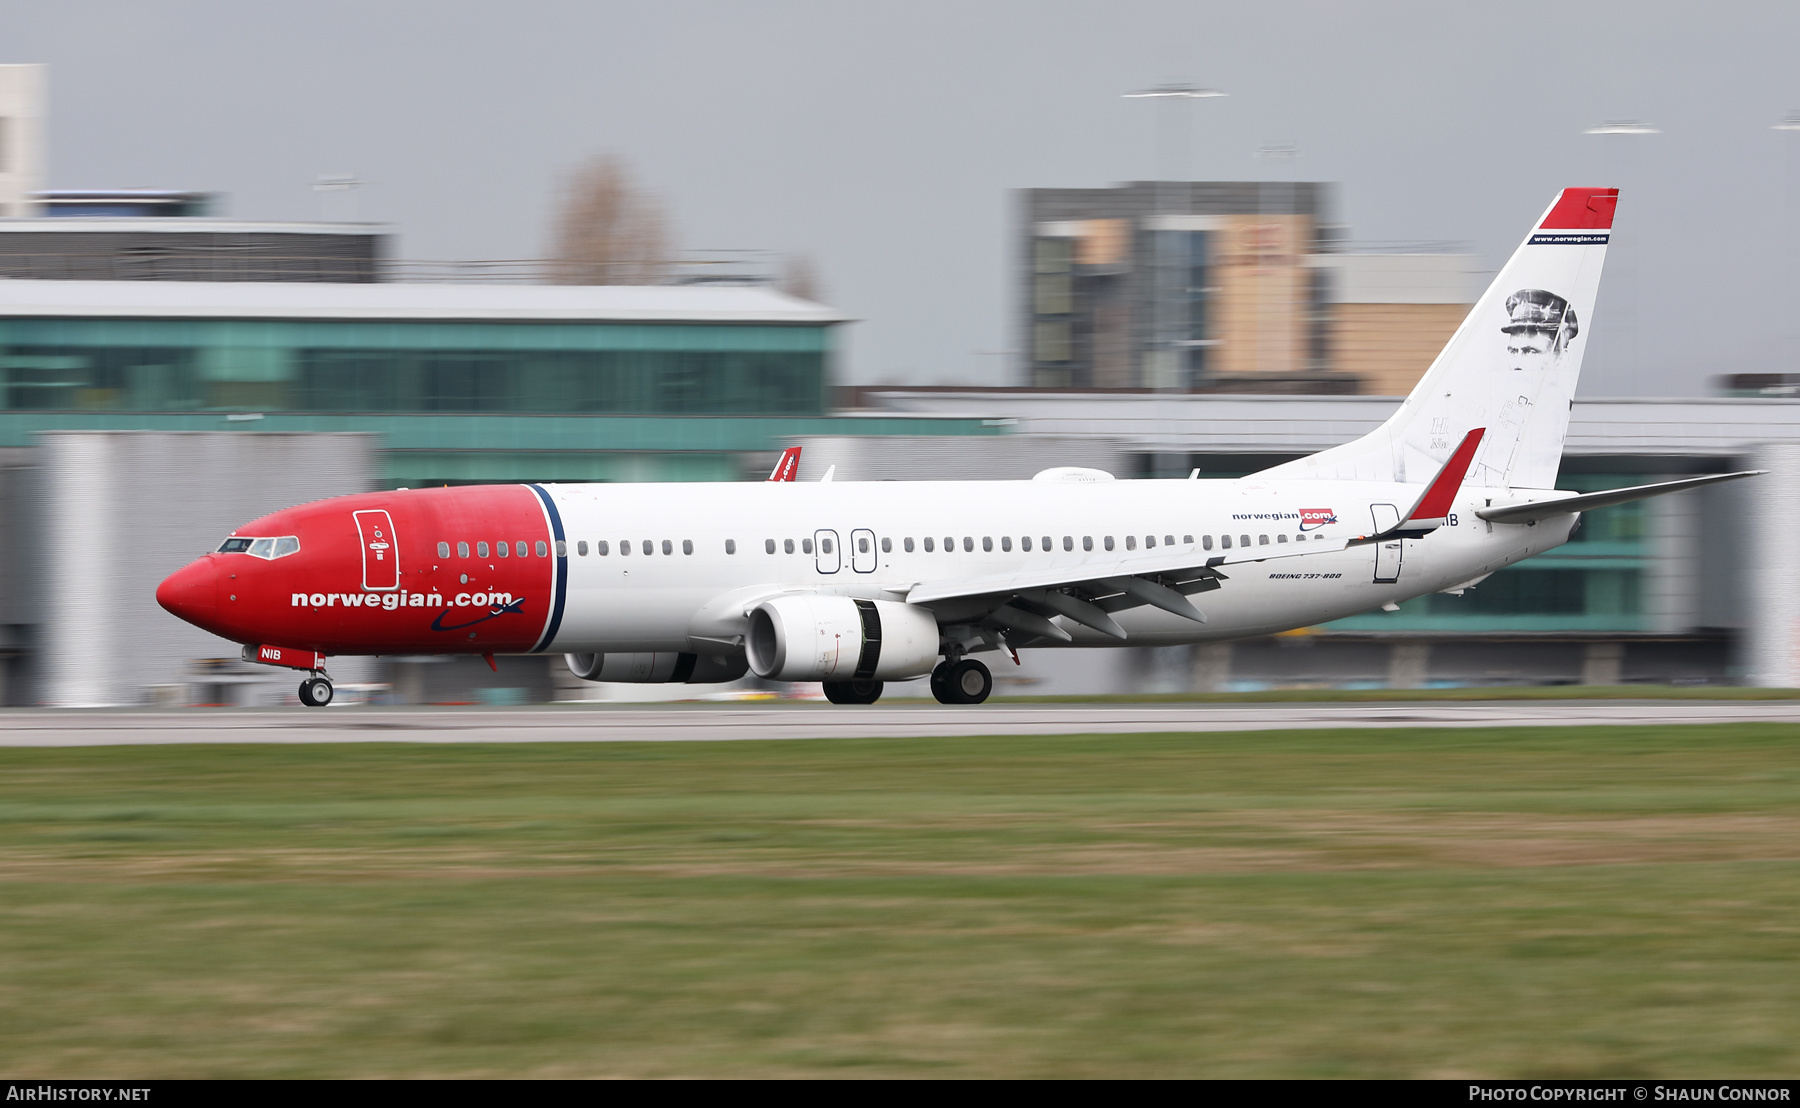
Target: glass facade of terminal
x,y
158,365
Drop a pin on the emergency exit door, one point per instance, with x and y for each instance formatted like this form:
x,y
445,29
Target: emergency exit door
x,y
380,553
1388,553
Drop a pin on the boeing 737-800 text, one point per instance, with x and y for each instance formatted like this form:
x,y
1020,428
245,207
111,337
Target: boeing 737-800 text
x,y
856,584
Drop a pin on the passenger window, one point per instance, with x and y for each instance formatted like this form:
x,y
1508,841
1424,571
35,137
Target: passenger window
x,y
1262,540
768,546
443,550
825,546
1087,542
1068,542
542,551
1006,542
1149,542
1047,544
1206,542
1107,542
500,548
562,548
887,546
1280,538
1225,541
581,548
1025,543
481,550
1243,540
601,548
1168,540
788,545
262,548
987,544
624,547
668,547
907,544
968,545
1189,539
687,546
462,550
862,546
287,544
1131,542
806,546
521,545
731,546
929,545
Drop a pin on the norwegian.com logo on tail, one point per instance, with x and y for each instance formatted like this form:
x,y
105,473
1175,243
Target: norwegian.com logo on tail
x,y
1311,519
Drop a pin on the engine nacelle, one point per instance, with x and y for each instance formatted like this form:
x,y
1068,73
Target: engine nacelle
x,y
835,638
664,667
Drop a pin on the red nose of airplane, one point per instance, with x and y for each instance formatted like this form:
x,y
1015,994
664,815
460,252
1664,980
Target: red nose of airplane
x,y
191,592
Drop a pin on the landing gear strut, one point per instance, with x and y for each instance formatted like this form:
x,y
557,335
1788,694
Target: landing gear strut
x,y
315,691
853,692
961,682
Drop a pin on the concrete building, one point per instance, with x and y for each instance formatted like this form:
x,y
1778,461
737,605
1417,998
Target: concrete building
x,y
1235,286
22,106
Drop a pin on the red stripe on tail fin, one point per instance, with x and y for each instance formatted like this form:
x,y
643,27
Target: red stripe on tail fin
x,y
1582,210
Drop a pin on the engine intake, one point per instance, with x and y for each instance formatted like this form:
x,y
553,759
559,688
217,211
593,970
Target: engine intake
x,y
824,638
658,668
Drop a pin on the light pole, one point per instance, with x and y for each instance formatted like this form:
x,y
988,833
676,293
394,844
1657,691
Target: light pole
x,y
1621,167
1162,369
1791,124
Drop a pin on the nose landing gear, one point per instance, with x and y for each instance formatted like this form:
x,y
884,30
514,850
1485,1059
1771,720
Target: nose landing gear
x,y
966,681
315,691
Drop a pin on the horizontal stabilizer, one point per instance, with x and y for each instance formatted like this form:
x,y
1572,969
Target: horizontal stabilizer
x,y
1543,509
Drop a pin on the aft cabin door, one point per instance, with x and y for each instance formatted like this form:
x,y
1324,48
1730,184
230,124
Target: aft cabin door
x,y
825,549
862,550
380,554
1387,554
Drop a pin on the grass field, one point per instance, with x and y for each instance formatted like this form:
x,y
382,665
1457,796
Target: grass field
x,y
1563,902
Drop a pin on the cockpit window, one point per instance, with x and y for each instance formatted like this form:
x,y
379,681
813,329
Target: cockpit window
x,y
268,549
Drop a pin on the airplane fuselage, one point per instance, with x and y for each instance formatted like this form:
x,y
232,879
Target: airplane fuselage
x,y
648,568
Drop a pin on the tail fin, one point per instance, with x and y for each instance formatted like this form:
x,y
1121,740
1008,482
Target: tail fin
x,y
1510,368
787,466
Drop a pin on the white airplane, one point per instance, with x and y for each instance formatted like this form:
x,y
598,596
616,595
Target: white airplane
x,y
858,584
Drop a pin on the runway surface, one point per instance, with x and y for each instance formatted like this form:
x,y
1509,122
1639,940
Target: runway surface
x,y
704,723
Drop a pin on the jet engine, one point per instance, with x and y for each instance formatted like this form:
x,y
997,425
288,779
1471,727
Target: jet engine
x,y
659,668
836,638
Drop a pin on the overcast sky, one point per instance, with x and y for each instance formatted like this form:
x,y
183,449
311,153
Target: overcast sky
x,y
883,139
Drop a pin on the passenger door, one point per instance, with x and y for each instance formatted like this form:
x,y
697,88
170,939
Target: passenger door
x,y
825,549
1389,553
862,550
380,553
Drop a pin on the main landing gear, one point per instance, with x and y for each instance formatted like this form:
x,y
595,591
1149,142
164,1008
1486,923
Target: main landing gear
x,y
853,692
315,691
961,682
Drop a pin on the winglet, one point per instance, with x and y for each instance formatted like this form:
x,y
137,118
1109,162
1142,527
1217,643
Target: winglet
x,y
787,467
1440,495
1432,508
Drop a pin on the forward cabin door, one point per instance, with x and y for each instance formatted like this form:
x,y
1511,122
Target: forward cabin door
x,y
862,550
380,553
1387,554
825,549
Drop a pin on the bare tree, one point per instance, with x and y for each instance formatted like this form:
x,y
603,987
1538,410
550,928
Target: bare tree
x,y
611,231
800,277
